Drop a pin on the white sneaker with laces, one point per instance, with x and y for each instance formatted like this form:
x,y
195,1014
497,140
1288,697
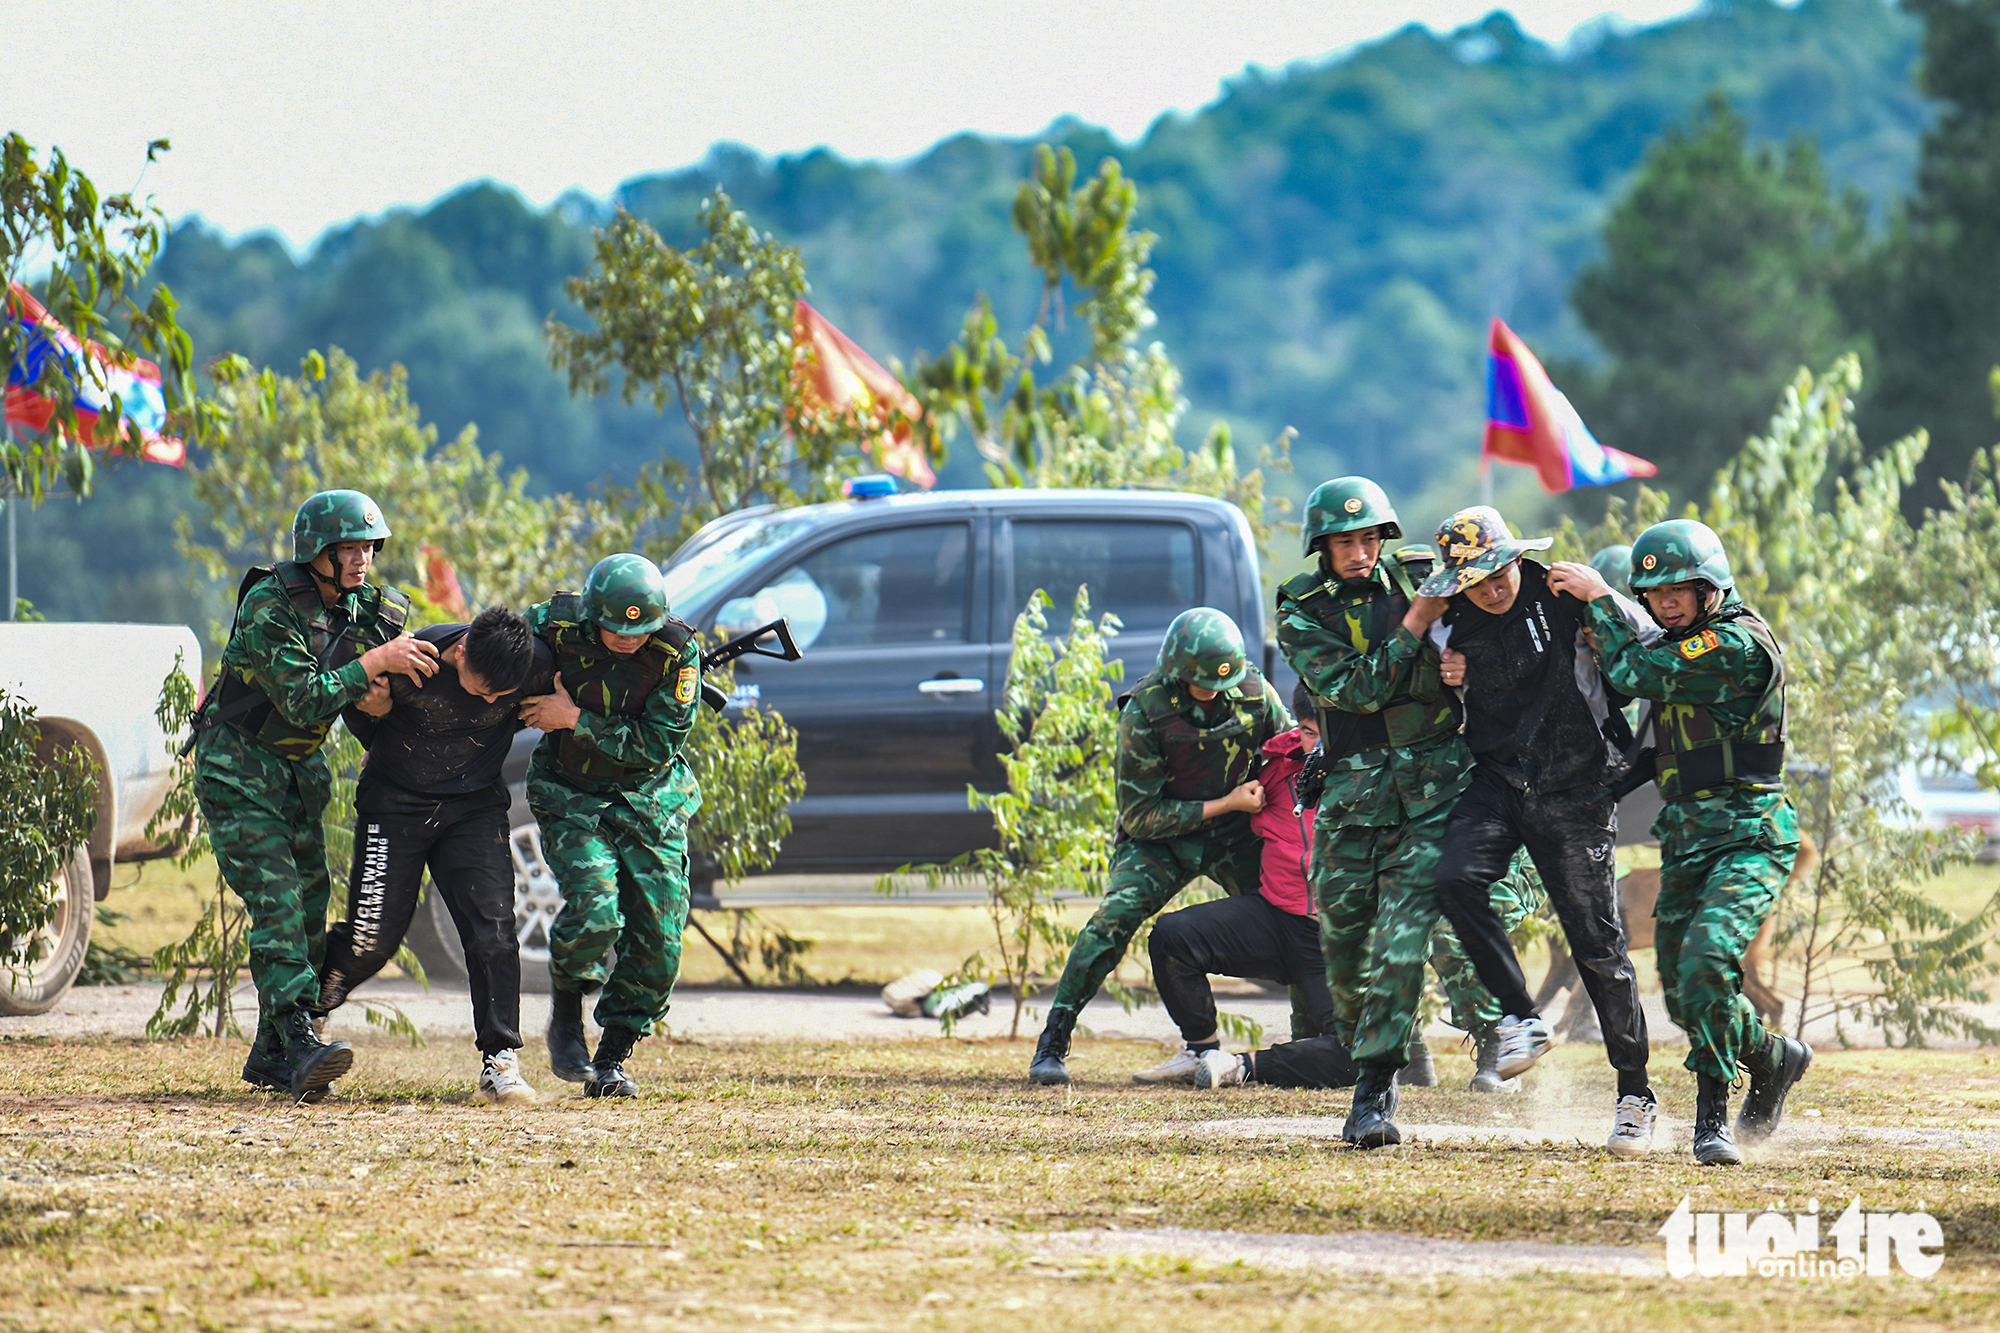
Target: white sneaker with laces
x,y
500,1081
1176,1068
1220,1069
1632,1127
1522,1042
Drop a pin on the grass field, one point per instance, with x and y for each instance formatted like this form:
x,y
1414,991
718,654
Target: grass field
x,y
900,1186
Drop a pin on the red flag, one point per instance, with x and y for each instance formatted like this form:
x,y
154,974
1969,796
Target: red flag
x,y
441,585
835,375
1528,421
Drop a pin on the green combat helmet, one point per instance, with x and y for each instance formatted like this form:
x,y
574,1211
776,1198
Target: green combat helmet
x,y
626,594
1345,504
1204,648
332,517
1680,550
1615,564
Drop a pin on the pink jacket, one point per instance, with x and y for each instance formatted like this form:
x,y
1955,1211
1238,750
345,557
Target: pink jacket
x,y
1287,836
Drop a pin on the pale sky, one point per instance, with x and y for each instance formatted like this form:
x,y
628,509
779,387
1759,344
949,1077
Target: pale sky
x,y
296,117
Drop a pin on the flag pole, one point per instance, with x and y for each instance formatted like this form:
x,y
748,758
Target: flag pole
x,y
13,584
1486,482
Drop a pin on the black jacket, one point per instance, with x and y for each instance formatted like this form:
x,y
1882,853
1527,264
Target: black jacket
x,y
439,742
1526,715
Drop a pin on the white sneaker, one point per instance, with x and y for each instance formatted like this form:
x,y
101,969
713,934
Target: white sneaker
x,y
1220,1069
1632,1127
500,1081
1522,1042
1176,1068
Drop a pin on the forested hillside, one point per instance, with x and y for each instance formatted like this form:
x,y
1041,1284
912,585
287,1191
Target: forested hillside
x,y
1332,240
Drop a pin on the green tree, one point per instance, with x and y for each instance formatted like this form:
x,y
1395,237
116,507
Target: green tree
x,y
1110,417
328,427
48,806
710,329
1931,295
1718,281
97,249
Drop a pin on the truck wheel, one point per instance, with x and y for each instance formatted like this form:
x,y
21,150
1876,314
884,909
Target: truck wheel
x,y
33,987
433,938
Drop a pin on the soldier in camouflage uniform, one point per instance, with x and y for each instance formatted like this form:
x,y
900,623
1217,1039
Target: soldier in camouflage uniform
x,y
1396,765
1190,735
1728,833
310,636
613,795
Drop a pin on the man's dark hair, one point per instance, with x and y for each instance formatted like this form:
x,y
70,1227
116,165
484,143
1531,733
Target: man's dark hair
x,y
499,649
1302,701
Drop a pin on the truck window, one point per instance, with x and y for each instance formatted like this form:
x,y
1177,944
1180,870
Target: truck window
x,y
1143,572
899,586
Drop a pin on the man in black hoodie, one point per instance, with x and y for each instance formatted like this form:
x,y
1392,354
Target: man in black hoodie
x,y
1541,726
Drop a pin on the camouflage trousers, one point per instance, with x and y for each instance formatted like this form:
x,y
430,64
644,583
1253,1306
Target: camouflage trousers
x,y
621,860
1722,864
1145,875
1516,896
262,812
1378,923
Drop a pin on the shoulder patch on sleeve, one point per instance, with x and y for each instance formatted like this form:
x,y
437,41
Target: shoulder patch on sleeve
x,y
687,683
1695,646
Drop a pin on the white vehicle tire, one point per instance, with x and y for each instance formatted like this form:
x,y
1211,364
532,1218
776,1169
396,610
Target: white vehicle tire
x,y
33,988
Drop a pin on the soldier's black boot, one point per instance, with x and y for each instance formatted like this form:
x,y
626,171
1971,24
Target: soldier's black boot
x,y
1486,1064
607,1071
569,1052
1713,1145
1371,1124
1774,1068
265,1066
315,1063
1052,1050
1420,1072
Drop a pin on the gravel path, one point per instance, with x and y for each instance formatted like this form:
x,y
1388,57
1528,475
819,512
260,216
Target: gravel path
x,y
1385,1252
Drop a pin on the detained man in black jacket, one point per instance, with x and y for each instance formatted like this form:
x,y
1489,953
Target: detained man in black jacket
x,y
1539,722
431,795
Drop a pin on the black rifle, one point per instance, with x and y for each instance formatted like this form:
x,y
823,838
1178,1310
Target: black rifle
x,y
747,646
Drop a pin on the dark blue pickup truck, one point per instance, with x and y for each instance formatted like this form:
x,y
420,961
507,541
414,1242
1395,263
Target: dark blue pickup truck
x,y
904,607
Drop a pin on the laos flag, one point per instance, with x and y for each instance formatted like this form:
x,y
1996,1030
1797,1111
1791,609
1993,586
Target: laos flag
x,y
1528,421
96,377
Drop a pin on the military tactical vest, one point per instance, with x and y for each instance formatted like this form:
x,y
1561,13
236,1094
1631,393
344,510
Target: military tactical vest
x,y
603,682
1365,616
334,640
1204,763
1694,755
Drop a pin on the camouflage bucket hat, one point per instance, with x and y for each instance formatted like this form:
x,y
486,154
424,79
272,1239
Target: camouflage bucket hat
x,y
331,517
1203,647
1473,543
626,594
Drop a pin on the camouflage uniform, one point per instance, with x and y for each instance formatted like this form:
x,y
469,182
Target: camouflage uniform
x,y
1174,754
1397,766
613,798
1728,833
259,775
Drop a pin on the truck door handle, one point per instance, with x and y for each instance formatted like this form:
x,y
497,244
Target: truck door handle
x,y
952,685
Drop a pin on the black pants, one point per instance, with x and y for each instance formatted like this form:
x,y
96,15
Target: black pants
x,y
464,844
1249,936
1569,836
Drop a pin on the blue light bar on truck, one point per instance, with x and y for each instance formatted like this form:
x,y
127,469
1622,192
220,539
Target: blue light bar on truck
x,y
874,486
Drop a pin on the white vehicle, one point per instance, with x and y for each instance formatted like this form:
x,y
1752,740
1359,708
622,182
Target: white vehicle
x,y
1946,796
93,686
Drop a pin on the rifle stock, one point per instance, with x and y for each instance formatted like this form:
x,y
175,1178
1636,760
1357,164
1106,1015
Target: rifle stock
x,y
746,645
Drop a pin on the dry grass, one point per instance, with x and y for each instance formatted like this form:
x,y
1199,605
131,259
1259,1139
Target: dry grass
x,y
899,1185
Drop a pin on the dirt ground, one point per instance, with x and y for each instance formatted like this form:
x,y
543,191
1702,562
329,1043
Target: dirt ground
x,y
923,1184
